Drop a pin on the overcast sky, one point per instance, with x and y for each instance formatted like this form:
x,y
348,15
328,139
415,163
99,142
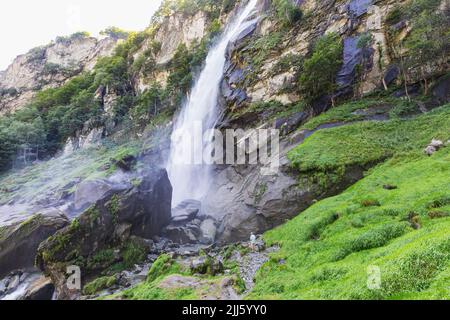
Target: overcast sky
x,y
25,24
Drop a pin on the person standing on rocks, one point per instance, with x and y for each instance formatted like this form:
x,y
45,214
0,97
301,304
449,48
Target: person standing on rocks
x,y
253,242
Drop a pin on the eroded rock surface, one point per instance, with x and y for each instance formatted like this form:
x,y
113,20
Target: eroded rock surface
x,y
19,241
137,213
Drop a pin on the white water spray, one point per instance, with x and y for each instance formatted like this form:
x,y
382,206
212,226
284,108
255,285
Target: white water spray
x,y
191,181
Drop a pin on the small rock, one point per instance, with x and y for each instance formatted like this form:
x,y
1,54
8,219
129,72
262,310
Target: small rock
x,y
436,143
434,146
430,150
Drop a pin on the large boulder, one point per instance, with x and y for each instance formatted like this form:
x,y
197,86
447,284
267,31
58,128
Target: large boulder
x,y
90,191
40,289
19,241
140,211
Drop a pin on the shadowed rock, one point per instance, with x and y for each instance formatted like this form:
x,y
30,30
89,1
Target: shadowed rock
x,y
119,217
19,242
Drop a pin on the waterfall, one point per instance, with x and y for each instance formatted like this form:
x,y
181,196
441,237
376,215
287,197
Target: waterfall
x,y
189,176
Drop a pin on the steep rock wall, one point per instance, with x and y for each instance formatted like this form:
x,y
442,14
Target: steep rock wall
x,y
49,66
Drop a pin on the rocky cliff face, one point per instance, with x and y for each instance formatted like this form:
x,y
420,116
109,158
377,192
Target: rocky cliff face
x,y
49,66
262,64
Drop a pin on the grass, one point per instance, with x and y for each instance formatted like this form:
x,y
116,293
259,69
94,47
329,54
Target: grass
x,y
99,284
368,142
346,112
329,247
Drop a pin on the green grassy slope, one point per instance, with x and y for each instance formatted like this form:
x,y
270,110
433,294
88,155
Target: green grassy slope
x,y
404,231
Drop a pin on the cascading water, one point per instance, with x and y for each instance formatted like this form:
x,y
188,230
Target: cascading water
x,y
190,177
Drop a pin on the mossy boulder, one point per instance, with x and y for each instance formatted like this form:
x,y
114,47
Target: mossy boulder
x,y
20,241
100,237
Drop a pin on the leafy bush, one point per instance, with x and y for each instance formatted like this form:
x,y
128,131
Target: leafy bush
x,y
72,37
287,12
319,71
370,203
133,253
99,284
115,32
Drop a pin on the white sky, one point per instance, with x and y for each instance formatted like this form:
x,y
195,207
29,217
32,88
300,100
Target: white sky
x,y
25,24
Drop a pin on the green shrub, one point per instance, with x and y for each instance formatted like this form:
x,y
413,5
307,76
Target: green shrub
x,y
287,12
436,214
133,253
319,71
99,284
370,203
373,238
415,271
115,32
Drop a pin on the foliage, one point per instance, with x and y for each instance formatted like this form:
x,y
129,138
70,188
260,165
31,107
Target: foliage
x,y
191,7
115,32
133,253
73,37
319,71
365,143
287,12
430,37
20,132
99,284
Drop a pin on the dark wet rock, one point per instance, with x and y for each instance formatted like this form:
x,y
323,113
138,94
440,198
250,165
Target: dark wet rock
x,y
399,26
240,39
187,209
131,278
182,234
288,124
189,226
40,289
321,105
144,209
236,76
413,90
357,8
441,90
25,285
391,74
353,56
19,241
233,95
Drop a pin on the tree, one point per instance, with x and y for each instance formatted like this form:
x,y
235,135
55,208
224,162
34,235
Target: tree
x,y
428,44
287,12
115,32
319,71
